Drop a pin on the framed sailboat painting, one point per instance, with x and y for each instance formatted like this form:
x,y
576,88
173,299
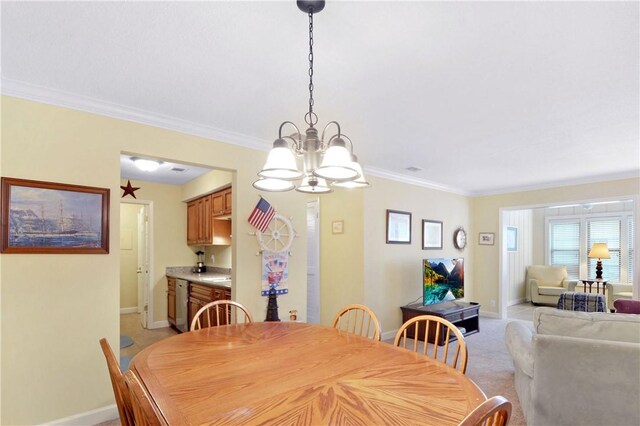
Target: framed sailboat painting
x,y
48,217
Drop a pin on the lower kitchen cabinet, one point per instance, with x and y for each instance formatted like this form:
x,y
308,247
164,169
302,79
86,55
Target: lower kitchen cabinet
x,y
171,300
200,295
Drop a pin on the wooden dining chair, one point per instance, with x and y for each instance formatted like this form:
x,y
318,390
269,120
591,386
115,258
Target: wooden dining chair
x,y
123,402
358,319
430,329
495,411
220,312
145,411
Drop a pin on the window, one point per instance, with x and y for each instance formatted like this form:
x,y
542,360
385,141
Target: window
x,y
565,246
569,239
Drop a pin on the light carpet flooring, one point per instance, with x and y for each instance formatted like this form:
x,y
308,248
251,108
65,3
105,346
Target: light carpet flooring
x,y
490,365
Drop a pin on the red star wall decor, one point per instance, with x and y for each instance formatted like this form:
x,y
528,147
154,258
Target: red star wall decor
x,y
129,190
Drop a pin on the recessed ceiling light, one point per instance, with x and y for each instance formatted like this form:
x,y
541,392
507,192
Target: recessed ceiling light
x,y
146,165
413,169
177,169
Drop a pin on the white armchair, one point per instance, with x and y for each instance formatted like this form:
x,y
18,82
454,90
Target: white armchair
x,y
545,283
618,291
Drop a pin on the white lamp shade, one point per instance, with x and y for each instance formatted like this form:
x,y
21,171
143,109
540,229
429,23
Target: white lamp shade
x,y
358,183
146,165
281,164
599,251
273,185
321,186
336,164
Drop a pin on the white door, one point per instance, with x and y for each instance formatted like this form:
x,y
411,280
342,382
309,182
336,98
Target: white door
x,y
143,265
313,262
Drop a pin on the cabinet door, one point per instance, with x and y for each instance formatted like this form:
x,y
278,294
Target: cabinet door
x,y
171,305
193,215
227,201
205,220
218,203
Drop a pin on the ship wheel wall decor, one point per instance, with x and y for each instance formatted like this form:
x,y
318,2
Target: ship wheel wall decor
x,y
278,236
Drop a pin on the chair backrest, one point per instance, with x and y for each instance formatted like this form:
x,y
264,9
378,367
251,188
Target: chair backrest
x,y
145,411
123,402
358,319
220,312
547,274
494,411
436,330
626,306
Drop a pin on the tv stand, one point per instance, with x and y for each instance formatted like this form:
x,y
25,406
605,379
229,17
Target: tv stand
x,y
463,315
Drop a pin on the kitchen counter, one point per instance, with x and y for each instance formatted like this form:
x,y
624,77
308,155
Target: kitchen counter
x,y
217,279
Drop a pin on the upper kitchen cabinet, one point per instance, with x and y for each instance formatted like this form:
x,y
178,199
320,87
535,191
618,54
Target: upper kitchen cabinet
x,y
221,202
204,226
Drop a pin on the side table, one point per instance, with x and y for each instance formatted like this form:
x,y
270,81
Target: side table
x,y
590,282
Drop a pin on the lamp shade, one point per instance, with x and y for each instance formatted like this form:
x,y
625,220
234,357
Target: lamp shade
x,y
599,251
273,185
314,185
357,183
281,163
336,163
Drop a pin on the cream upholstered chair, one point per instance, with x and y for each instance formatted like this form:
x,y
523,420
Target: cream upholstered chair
x,y
546,283
123,401
358,319
220,312
431,328
145,411
618,291
495,411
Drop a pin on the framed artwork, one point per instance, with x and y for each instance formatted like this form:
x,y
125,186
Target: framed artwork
x,y
337,227
48,217
398,227
486,238
431,234
512,238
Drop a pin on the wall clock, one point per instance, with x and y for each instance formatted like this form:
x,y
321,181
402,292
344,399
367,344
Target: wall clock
x,y
460,238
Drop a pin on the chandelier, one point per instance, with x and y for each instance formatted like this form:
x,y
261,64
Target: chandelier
x,y
323,160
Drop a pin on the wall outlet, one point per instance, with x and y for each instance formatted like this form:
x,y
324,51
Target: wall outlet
x,y
493,303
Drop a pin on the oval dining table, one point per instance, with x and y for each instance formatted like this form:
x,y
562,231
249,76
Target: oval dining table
x,y
294,373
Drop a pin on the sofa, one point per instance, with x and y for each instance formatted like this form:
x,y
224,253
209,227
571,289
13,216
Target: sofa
x,y
577,368
618,291
545,283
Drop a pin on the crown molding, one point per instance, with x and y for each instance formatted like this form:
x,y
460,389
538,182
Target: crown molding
x,y
414,181
64,99
557,184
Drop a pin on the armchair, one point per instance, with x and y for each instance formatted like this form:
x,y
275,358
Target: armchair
x,y
618,291
545,284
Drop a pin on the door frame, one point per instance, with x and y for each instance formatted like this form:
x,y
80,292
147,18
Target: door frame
x,y
149,206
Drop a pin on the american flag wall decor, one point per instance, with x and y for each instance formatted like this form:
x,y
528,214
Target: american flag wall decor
x,y
261,215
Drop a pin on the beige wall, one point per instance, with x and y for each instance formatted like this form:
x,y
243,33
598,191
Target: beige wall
x,y
129,255
521,258
342,256
486,219
393,272
52,316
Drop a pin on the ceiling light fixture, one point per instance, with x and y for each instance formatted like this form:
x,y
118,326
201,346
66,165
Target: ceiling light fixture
x,y
322,161
146,165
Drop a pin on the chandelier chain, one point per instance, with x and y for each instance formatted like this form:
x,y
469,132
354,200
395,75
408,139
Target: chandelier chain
x,y
311,118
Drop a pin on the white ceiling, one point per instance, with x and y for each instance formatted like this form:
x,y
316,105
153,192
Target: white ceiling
x,y
483,97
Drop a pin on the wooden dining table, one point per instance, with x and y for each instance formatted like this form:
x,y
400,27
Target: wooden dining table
x,y
294,373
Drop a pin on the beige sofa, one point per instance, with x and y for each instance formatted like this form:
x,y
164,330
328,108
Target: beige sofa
x,y
577,368
618,291
545,283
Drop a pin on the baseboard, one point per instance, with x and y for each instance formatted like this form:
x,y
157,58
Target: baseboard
x,y
92,417
490,314
517,301
132,310
388,335
158,324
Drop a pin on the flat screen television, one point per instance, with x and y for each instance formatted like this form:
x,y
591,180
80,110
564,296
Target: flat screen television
x,y
442,279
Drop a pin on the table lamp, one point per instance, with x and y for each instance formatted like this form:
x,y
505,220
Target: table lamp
x,y
599,251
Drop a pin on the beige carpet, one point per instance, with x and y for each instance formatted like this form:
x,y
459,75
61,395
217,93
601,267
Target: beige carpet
x,y
490,365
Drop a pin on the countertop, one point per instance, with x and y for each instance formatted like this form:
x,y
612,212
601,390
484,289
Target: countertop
x,y
206,278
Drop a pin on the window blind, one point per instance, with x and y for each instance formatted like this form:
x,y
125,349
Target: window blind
x,y
564,247
605,231
629,249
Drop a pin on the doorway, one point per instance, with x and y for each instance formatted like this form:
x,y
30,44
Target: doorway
x,y
313,261
135,260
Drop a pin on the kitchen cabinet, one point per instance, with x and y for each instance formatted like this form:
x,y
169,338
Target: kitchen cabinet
x,y
200,295
171,300
202,226
221,202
